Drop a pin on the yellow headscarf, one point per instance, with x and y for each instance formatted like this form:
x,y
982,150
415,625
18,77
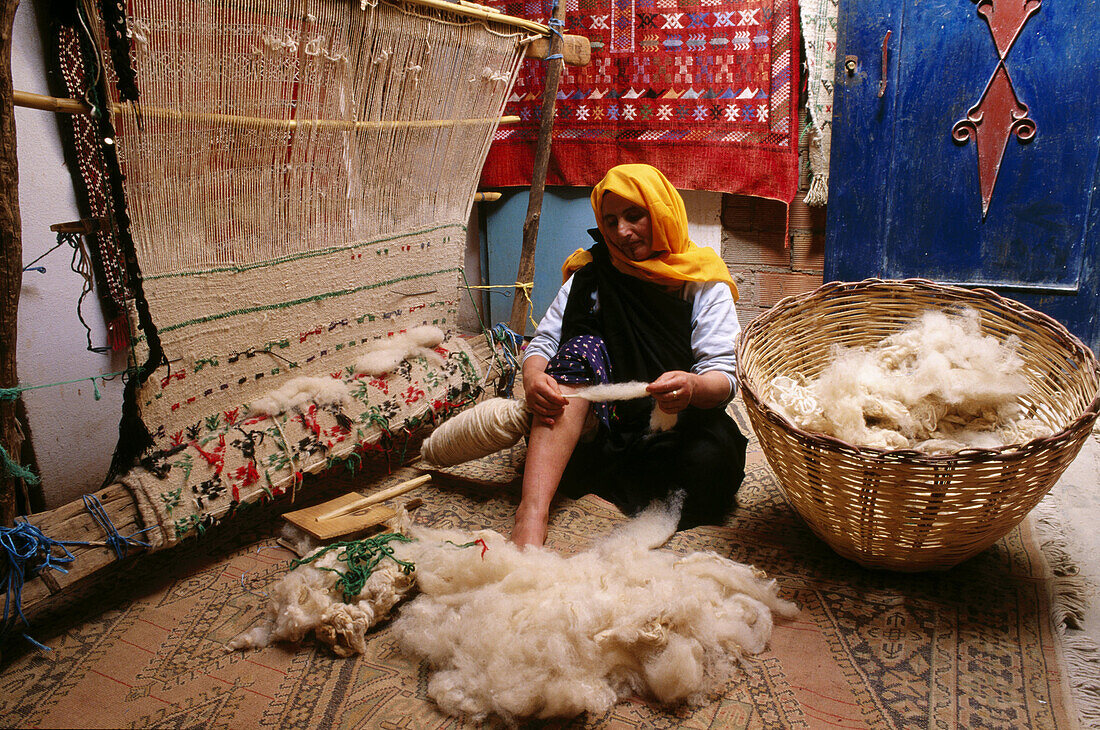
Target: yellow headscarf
x,y
678,259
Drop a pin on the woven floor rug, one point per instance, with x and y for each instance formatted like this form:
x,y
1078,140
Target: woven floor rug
x,y
971,647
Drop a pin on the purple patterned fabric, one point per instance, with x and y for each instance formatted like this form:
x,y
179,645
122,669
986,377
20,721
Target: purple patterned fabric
x,y
583,360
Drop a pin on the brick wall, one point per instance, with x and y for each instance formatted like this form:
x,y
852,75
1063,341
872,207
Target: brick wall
x,y
764,266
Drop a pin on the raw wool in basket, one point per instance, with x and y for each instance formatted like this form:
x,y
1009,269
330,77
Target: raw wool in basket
x,y
385,355
497,423
299,391
306,600
580,632
938,386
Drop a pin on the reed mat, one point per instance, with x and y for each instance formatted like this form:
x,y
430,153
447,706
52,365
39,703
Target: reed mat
x,y
970,647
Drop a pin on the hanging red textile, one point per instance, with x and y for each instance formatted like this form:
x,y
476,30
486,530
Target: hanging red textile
x,y
704,90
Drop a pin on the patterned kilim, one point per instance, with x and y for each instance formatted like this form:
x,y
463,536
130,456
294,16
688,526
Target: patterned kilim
x,y
970,647
298,175
705,90
819,18
81,132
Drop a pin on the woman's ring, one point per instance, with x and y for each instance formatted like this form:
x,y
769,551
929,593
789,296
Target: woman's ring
x,y
676,393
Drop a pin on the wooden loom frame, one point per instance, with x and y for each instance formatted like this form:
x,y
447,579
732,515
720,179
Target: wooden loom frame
x,y
73,521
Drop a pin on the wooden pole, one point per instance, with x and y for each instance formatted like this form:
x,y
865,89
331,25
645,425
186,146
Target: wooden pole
x,y
31,100
526,271
11,268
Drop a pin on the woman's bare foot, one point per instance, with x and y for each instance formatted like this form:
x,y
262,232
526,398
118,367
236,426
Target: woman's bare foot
x,y
529,529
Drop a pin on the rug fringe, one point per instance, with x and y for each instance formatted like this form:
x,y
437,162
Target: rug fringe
x,y
1069,602
818,193
1083,659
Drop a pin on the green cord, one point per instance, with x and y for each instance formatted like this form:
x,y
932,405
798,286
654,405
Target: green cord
x,y
13,393
362,557
11,469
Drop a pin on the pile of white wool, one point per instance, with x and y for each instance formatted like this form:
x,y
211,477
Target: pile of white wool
x,y
530,633
521,633
938,386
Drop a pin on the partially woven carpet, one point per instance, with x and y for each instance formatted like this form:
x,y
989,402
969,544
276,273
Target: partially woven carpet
x,y
707,92
297,178
972,647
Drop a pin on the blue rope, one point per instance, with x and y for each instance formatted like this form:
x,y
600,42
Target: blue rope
x,y
555,26
511,342
27,547
29,551
114,540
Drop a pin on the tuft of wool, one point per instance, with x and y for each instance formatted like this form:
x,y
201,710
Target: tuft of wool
x,y
658,419
383,356
661,421
938,386
299,391
307,600
519,633
613,391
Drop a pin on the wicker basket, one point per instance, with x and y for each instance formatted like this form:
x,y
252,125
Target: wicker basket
x,y
906,510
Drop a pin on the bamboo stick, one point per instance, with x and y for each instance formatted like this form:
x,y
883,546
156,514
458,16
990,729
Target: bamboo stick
x,y
375,498
75,106
480,12
49,103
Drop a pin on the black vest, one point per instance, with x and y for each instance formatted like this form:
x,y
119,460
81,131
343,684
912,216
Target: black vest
x,y
647,329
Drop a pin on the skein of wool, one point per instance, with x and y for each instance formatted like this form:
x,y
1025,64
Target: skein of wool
x,y
488,427
498,423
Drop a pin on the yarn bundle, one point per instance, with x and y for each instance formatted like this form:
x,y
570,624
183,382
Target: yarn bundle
x,y
498,423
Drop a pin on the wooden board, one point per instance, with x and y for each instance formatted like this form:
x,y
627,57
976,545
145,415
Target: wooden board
x,y
576,50
349,525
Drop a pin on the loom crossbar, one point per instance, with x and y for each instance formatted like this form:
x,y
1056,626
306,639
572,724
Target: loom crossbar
x,y
73,522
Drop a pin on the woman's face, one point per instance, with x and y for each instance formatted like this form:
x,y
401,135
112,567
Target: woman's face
x,y
627,225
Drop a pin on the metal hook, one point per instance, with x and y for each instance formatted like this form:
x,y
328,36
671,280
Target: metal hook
x,y
885,60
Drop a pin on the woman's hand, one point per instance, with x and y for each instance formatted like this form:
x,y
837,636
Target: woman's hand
x,y
543,396
675,390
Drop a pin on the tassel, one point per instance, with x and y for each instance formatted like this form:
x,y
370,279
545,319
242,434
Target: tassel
x,y
118,334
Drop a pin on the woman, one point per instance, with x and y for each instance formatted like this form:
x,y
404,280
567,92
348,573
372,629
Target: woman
x,y
643,304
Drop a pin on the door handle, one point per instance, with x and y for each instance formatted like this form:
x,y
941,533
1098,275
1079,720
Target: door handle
x,y
885,61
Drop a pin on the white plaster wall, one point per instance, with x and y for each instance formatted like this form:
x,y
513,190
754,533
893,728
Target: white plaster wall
x,y
704,211
73,433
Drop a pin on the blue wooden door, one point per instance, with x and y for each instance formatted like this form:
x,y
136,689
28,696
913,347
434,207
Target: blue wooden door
x,y
976,161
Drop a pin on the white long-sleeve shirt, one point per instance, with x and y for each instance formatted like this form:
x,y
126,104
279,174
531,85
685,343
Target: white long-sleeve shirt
x,y
714,327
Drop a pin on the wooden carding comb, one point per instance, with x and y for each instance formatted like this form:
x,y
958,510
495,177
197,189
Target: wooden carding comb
x,y
352,513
